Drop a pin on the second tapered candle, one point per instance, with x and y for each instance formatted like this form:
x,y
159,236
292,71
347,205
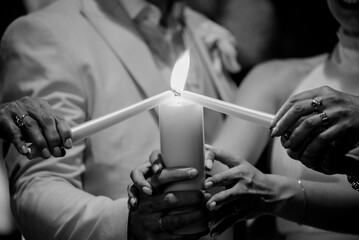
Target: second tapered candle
x,y
181,130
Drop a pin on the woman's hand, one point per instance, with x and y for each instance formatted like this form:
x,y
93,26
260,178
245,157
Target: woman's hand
x,y
31,120
319,127
245,196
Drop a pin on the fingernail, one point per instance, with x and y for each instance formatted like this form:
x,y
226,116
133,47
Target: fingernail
x,y
24,149
133,202
208,185
156,168
57,152
28,155
68,143
274,132
212,205
209,164
147,190
287,144
45,153
192,173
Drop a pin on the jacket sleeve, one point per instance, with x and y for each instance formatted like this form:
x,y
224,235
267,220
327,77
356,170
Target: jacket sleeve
x,y
47,196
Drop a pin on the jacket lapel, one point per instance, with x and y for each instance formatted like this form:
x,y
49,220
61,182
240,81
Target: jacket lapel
x,y
113,24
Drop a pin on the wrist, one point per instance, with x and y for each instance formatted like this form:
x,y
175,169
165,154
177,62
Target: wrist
x,y
288,198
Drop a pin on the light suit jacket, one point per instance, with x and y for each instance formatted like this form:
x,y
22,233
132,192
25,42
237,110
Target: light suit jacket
x,y
87,59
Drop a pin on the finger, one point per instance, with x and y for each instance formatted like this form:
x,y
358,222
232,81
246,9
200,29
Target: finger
x,y
224,178
133,196
306,129
156,161
172,175
289,103
49,130
34,134
228,55
293,114
225,157
180,220
320,143
138,176
209,160
14,136
172,200
224,197
64,131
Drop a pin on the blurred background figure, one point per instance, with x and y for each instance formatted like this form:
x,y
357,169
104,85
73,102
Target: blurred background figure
x,y
267,29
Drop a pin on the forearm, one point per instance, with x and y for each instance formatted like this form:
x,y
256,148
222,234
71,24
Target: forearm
x,y
326,205
54,209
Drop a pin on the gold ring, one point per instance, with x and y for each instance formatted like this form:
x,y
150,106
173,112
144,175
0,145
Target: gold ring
x,y
316,102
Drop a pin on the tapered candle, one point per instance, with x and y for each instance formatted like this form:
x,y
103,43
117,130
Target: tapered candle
x,y
91,127
86,129
251,115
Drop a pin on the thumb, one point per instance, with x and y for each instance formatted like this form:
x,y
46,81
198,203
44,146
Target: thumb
x,y
223,156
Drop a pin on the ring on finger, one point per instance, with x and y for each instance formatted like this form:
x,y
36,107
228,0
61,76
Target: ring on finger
x,y
316,102
20,120
324,118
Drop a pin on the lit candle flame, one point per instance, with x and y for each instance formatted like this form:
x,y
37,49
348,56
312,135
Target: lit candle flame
x,y
180,73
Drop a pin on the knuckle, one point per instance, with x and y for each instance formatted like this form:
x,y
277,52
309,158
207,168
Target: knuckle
x,y
309,123
169,199
298,108
30,123
53,139
48,120
323,138
132,174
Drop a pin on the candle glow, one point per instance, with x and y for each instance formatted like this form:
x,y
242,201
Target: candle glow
x,y
180,72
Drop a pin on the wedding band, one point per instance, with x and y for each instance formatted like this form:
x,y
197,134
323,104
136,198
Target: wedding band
x,y
324,118
316,102
20,120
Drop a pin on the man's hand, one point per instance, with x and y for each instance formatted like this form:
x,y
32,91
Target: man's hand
x,y
31,120
152,209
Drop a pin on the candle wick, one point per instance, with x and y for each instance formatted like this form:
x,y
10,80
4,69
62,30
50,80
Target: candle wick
x,y
177,94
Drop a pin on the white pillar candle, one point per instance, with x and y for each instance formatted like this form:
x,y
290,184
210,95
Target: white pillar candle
x,y
182,144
